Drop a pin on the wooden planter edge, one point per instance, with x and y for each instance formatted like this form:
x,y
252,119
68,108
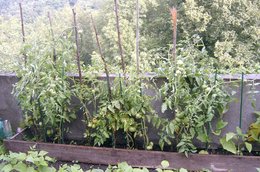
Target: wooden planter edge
x,y
136,158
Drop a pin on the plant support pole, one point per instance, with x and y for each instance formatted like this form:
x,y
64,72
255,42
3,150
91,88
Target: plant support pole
x,y
137,37
22,25
174,27
77,44
52,35
241,101
119,38
103,58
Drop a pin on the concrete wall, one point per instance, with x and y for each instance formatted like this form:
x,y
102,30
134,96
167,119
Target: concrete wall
x,y
9,107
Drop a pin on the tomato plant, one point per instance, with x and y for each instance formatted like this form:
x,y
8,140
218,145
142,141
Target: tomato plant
x,y
43,90
194,96
126,112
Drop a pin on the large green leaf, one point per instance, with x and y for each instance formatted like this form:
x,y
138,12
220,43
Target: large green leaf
x,y
228,145
230,136
248,146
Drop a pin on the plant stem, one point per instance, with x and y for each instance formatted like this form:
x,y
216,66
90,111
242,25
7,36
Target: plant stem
x,y
23,33
119,38
103,59
52,35
77,44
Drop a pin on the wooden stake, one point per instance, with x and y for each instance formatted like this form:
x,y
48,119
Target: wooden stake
x,y
137,37
119,38
52,34
23,33
174,27
103,58
77,44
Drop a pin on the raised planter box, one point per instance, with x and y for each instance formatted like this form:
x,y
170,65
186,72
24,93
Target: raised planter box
x,y
136,158
9,108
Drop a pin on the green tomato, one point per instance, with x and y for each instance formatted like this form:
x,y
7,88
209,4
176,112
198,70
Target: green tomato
x,y
94,120
208,89
138,116
90,124
179,115
177,119
49,132
132,129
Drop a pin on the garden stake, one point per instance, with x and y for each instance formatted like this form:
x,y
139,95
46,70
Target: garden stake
x,y
120,84
77,44
174,25
241,101
62,121
174,31
103,58
52,35
23,33
119,38
137,37
208,124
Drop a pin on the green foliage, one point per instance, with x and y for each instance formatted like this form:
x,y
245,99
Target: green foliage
x,y
126,112
39,161
35,161
254,128
195,97
236,142
70,168
228,29
254,132
43,90
2,148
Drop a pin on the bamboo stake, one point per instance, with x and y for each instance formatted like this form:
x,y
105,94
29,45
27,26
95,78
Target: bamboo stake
x,y
174,25
119,37
52,34
77,44
22,25
137,37
103,58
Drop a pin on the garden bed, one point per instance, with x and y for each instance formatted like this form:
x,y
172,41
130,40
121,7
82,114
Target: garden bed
x,y
136,158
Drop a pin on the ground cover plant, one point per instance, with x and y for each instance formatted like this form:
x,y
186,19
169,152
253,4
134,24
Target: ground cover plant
x,y
39,161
